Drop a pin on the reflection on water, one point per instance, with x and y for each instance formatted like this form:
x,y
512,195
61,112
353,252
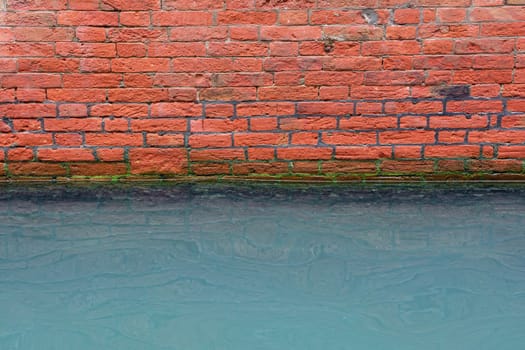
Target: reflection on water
x,y
239,267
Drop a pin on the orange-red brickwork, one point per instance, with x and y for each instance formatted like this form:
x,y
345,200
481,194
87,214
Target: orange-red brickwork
x,y
239,87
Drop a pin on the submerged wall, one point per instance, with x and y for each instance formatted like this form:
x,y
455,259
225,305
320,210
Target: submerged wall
x,y
208,87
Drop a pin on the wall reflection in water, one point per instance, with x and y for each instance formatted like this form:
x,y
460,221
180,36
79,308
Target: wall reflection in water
x,y
262,267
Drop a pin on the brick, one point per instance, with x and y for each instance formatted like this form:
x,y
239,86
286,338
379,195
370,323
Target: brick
x,y
237,49
28,110
452,151
360,33
513,121
20,154
217,154
349,138
131,50
332,78
325,17
368,123
289,4
296,33
32,18
407,166
68,139
48,65
134,5
91,80
407,152
407,137
159,125
85,5
76,95
325,108
73,124
116,124
244,32
65,155
379,92
138,95
497,136
165,140
37,169
26,49
448,31
294,17
218,125
379,48
246,17
48,5
458,122
228,94
456,136
43,34
176,109
99,65
88,18
308,123
363,152
25,139
191,5
175,18
288,93
98,169
333,92
495,165
265,109
257,153
467,46
304,138
176,49
119,110
137,35
26,125
304,153
516,152
353,63
305,167
70,49
210,168
210,140
265,168
345,167
158,161
135,18
219,110
474,106
197,34
140,65
407,16
114,139
260,139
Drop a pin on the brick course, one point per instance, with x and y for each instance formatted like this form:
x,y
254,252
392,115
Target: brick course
x,y
237,87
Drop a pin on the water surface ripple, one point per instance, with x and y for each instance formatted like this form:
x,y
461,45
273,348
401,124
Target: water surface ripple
x,y
209,267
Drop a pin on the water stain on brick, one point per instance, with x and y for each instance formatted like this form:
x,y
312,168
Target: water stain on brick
x,y
453,91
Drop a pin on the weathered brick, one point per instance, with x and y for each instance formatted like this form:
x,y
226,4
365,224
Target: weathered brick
x,y
235,87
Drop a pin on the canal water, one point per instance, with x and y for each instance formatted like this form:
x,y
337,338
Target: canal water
x,y
231,267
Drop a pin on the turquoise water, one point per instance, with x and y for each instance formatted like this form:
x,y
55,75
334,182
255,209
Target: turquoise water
x,y
262,267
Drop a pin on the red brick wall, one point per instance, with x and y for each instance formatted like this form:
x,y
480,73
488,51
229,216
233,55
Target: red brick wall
x,y
114,87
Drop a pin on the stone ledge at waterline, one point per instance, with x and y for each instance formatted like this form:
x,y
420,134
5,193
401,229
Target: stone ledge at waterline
x,y
262,89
